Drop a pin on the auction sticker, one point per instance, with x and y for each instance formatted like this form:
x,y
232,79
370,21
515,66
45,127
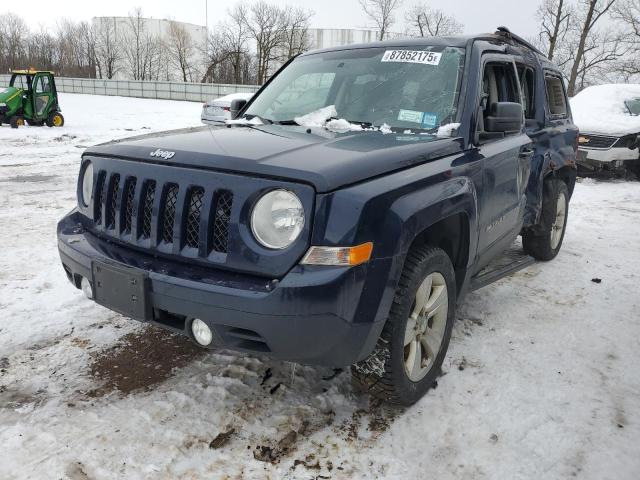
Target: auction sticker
x,y
412,56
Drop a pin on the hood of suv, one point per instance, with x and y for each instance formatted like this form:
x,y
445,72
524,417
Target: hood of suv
x,y
318,157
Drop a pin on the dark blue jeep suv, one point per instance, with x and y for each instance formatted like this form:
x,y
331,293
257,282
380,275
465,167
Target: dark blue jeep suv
x,y
343,213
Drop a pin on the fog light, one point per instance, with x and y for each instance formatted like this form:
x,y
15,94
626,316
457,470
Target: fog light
x,y
201,332
85,284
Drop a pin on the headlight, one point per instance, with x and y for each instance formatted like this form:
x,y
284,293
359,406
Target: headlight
x,y
277,219
87,183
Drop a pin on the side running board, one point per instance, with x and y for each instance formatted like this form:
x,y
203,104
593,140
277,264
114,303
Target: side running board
x,y
509,262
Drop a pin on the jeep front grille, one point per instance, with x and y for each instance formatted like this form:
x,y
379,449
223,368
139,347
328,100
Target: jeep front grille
x,y
597,141
173,223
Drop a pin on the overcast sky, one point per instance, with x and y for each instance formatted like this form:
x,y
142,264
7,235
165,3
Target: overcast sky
x,y
478,17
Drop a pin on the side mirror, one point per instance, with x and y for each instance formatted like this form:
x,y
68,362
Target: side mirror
x,y
505,117
236,107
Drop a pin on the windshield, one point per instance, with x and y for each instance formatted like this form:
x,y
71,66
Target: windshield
x,y
410,89
633,106
20,81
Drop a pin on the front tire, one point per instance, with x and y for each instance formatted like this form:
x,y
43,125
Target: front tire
x,y
408,356
55,120
545,243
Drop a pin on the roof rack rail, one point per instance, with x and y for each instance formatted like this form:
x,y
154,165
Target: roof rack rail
x,y
506,33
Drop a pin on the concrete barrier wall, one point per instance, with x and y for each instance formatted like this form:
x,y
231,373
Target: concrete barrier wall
x,y
193,92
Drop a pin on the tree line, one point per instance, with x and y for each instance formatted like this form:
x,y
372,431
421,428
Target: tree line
x,y
592,41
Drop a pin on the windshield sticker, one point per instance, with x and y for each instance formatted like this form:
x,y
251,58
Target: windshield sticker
x,y
429,120
410,116
412,56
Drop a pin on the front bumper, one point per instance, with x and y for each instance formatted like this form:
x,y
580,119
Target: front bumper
x,y
313,315
613,157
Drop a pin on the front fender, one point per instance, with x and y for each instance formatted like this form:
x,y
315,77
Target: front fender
x,y
391,211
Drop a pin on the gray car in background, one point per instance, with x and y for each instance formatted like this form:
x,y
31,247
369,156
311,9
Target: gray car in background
x,y
219,110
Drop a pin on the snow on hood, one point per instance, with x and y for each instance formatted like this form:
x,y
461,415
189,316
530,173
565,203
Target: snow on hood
x,y
325,118
600,109
244,121
317,118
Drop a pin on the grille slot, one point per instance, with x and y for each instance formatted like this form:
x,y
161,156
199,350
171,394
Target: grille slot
x,y
112,201
164,215
222,215
147,211
97,199
128,202
192,226
598,141
169,212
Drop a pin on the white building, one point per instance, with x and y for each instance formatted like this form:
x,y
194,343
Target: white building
x,y
336,37
158,29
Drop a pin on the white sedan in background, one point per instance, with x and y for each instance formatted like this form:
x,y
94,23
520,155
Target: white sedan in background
x,y
219,110
608,117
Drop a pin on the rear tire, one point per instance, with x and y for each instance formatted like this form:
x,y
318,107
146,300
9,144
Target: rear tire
x,y
545,242
408,356
16,121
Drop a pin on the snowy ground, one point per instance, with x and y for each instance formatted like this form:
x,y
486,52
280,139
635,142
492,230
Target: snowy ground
x,y
541,380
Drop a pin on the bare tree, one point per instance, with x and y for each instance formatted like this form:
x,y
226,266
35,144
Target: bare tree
x,y
217,52
266,26
382,13
424,21
236,35
140,49
108,47
555,18
627,13
181,50
296,38
13,32
590,12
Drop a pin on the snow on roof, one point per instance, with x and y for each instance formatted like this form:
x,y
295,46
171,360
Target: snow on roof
x,y
601,109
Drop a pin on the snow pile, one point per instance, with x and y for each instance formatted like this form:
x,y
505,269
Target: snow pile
x,y
446,131
317,118
342,125
326,118
601,109
385,129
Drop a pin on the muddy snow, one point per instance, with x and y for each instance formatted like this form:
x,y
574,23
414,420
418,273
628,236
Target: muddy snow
x,y
541,379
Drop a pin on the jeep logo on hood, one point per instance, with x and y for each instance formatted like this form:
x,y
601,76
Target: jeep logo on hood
x,y
167,155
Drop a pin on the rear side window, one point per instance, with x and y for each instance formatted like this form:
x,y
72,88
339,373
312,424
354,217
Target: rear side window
x,y
527,86
556,96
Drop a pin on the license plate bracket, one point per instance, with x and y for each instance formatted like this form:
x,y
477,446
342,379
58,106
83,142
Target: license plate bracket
x,y
123,289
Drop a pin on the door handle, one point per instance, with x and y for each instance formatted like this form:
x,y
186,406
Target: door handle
x,y
526,153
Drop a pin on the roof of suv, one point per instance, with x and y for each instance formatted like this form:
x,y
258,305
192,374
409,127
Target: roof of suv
x,y
502,36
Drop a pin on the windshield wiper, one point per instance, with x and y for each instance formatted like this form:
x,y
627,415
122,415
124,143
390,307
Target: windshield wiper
x,y
285,122
266,121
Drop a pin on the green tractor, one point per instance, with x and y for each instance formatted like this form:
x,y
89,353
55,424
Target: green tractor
x,y
30,97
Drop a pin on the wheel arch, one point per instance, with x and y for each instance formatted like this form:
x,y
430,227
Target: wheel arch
x,y
567,174
451,234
